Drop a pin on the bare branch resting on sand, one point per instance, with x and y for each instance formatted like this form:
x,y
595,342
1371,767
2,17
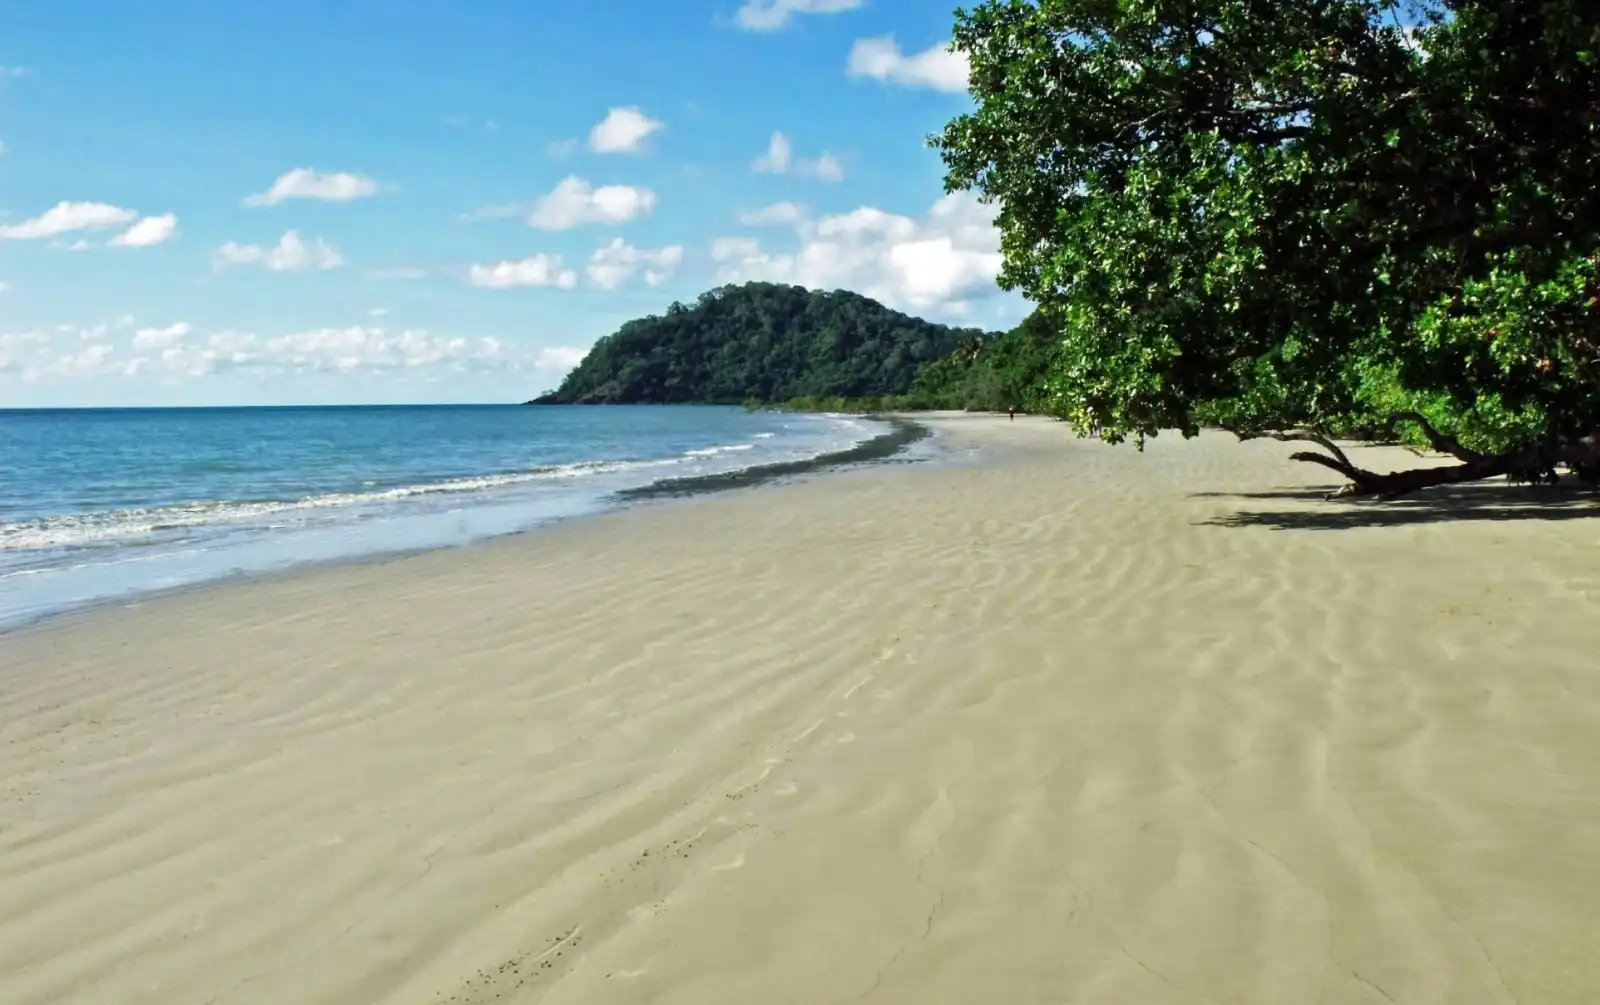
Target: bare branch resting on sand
x,y
1534,465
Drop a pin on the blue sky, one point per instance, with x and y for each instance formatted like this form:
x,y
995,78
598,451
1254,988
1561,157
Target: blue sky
x,y
310,201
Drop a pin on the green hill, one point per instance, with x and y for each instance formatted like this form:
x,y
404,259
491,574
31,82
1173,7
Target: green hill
x,y
762,342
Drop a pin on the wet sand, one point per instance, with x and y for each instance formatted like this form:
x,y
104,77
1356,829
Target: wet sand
x,y
1056,722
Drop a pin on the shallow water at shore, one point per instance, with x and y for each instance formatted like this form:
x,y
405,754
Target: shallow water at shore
x,y
103,504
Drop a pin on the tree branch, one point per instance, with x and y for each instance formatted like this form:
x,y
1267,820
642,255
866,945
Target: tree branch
x,y
1440,442
1299,436
1531,464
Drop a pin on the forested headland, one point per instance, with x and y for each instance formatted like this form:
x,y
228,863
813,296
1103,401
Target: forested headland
x,y
773,346
760,342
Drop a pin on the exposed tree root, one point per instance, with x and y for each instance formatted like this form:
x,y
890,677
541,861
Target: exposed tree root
x,y
1534,465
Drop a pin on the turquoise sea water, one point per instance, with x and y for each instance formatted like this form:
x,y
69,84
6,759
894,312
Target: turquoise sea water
x,y
101,504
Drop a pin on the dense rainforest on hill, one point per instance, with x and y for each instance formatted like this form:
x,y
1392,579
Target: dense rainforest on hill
x,y
984,372
1303,218
760,342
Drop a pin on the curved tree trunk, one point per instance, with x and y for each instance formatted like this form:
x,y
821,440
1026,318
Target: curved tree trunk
x,y
1531,464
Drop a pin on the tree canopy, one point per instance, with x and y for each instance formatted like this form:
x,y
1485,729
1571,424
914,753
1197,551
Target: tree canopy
x,y
1303,218
761,342
989,373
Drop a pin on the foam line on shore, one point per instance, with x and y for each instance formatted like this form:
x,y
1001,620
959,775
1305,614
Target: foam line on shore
x,y
901,434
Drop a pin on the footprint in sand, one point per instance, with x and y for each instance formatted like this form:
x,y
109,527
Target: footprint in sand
x,y
845,738
786,789
737,863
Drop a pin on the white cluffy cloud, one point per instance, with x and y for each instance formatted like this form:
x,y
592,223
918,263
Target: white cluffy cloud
x,y
179,352
291,254
779,213
536,270
937,67
622,131
68,217
770,15
574,202
938,263
148,232
305,183
618,261
780,159
161,338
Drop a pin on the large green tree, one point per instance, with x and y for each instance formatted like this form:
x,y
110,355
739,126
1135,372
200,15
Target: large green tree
x,y
1304,217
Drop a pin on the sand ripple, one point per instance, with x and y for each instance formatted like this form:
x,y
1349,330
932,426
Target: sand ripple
x,y
1069,724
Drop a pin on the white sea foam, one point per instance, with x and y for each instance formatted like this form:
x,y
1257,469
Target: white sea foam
x,y
51,563
112,527
714,451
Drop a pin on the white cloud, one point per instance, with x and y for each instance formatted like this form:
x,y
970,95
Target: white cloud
x,y
559,358
618,261
66,217
5,287
151,230
937,263
777,214
735,249
770,15
290,254
305,183
777,158
2,147
936,67
536,270
825,168
160,338
780,159
378,312
622,131
67,353
575,202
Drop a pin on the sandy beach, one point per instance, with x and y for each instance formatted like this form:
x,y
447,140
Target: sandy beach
x,y
1051,722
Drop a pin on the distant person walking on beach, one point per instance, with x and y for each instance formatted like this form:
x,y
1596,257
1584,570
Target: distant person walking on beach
x,y
1012,411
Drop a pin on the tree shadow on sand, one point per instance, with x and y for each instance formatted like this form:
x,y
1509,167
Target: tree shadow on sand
x,y
1492,502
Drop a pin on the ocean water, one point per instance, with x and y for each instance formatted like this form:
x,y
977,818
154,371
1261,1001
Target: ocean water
x,y
98,504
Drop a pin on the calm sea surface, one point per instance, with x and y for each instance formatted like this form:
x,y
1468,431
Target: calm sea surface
x,y
102,504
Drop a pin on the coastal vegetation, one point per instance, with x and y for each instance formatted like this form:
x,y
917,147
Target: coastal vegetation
x,y
764,342
771,346
1303,219
984,372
